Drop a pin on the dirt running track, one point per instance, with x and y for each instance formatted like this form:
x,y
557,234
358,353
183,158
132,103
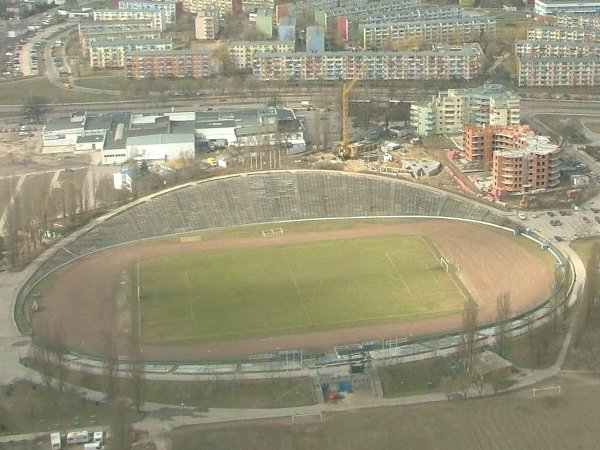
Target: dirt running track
x,y
491,261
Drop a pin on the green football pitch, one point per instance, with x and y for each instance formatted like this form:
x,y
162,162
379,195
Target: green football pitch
x,y
274,290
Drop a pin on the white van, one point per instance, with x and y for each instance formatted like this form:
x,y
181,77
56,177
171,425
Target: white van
x,y
92,446
78,437
98,437
55,443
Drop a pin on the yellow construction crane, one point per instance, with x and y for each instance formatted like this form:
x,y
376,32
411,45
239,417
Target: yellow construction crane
x,y
347,151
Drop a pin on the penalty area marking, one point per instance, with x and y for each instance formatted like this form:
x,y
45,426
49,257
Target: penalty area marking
x,y
272,232
295,417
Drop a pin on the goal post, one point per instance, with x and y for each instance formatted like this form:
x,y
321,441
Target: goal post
x,y
550,391
444,264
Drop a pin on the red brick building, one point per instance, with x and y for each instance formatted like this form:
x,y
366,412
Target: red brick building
x,y
520,160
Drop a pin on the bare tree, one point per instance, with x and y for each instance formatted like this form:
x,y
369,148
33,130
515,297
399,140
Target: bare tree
x,y
120,425
468,340
503,316
111,364
35,107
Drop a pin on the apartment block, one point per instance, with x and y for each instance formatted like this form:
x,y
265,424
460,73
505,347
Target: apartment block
x,y
454,31
286,30
89,37
586,21
157,18
168,64
575,7
521,161
111,54
552,33
349,9
315,39
443,63
242,52
566,71
169,9
411,14
264,22
207,24
197,6
449,111
547,49
108,26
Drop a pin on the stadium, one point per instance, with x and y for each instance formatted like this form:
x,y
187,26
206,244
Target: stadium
x,y
281,262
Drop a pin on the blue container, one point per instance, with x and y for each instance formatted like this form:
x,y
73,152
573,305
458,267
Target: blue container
x,y
345,386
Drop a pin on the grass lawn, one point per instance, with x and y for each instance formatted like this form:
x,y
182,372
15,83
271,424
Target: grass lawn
x,y
593,126
273,290
25,407
110,82
15,92
413,378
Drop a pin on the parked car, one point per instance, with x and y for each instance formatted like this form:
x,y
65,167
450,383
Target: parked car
x,y
550,214
522,216
558,238
586,220
597,219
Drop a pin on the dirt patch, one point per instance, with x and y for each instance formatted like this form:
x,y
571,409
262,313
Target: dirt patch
x,y
490,262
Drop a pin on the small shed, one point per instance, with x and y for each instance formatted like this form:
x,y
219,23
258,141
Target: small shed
x,y
491,366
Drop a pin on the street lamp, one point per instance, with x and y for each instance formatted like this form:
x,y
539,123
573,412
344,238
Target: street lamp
x,y
182,414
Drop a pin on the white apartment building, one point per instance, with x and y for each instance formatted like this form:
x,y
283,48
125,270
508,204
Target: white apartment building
x,y
586,21
111,54
88,38
442,63
551,33
558,71
548,49
108,26
157,18
421,13
450,110
454,31
169,9
556,7
242,52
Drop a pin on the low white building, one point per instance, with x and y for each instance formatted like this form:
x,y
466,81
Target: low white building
x,y
161,147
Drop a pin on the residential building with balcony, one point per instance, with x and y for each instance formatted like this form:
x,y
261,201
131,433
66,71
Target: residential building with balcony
x,y
315,39
194,64
170,9
573,7
441,63
196,6
553,33
286,29
449,111
242,52
453,31
111,54
157,18
521,161
94,36
585,21
265,18
410,14
558,71
108,26
207,24
548,49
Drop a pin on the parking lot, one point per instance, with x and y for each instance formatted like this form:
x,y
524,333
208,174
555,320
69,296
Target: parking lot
x,y
565,224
